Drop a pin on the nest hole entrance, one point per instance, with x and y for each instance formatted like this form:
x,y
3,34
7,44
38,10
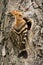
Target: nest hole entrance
x,y
29,25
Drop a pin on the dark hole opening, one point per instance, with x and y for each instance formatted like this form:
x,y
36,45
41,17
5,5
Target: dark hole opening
x,y
23,54
42,3
29,25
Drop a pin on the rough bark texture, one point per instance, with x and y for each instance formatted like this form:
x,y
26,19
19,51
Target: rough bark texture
x,y
32,9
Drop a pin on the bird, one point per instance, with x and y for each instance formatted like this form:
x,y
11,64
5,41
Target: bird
x,y
19,29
